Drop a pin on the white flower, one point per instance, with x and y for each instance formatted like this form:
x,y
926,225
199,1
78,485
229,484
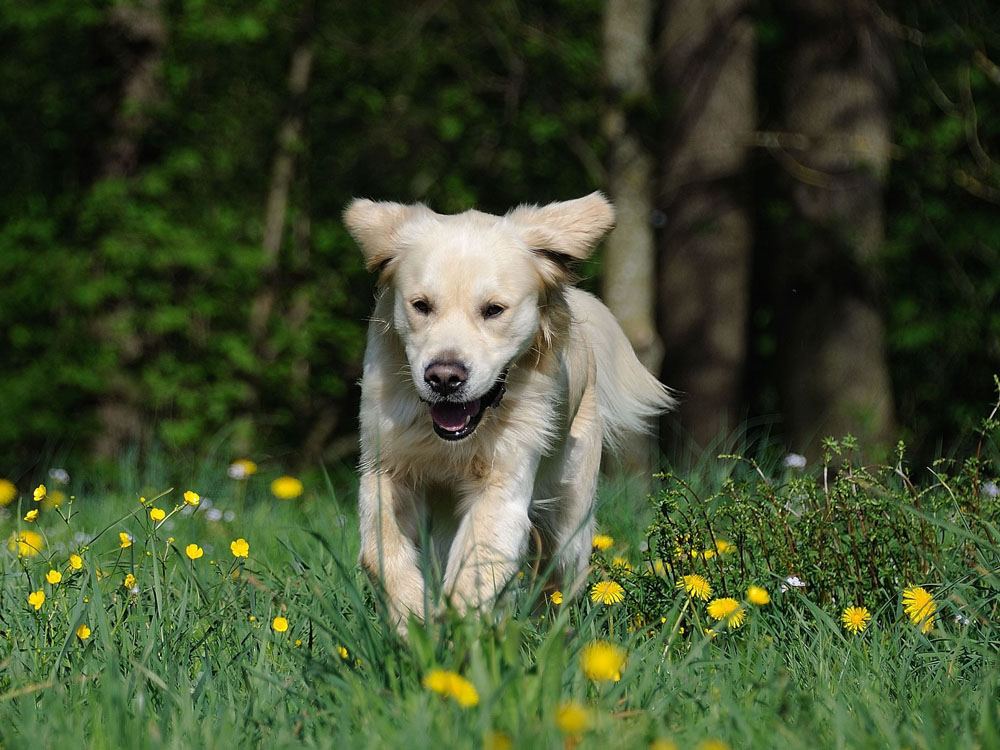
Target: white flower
x,y
795,461
214,514
59,475
229,516
962,619
990,489
237,470
794,582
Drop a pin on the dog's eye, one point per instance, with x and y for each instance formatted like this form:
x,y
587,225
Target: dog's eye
x,y
491,311
422,306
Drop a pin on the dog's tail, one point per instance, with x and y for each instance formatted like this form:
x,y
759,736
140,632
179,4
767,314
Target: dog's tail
x,y
628,396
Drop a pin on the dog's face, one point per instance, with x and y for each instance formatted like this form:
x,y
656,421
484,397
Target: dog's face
x,y
467,290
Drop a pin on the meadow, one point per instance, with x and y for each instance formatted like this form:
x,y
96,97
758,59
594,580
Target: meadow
x,y
744,604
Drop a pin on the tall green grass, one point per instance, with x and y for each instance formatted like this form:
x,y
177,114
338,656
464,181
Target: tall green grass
x,y
189,656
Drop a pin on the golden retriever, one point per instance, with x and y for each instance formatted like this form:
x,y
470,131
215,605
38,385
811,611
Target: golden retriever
x,y
490,385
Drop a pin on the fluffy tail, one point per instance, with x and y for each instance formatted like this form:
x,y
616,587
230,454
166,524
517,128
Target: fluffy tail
x,y
628,396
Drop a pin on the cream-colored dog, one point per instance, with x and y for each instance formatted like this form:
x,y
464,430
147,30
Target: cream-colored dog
x,y
489,387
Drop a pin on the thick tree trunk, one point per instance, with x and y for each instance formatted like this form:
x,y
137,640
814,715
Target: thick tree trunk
x,y
707,61
834,378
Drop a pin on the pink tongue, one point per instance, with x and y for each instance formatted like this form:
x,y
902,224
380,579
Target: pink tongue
x,y
451,417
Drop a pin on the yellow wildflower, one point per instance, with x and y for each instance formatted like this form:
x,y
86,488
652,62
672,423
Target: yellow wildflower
x,y
602,661
497,740
452,685
125,539
723,547
54,499
31,515
621,563
603,541
557,597
286,488
696,586
855,619
713,745
661,743
28,543
129,582
607,592
7,492
157,514
727,609
191,498
280,624
75,562
342,651
241,469
53,577
240,548
193,551
36,599
83,632
39,493
757,595
573,718
920,606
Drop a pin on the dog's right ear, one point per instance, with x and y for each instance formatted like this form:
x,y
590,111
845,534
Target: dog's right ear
x,y
376,226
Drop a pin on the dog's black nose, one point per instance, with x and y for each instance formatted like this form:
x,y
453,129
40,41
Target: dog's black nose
x,y
445,377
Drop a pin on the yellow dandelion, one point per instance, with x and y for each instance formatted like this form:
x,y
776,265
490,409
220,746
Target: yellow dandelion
x,y
662,743
7,492
191,498
39,493
129,582
125,539
53,577
36,599
723,547
660,568
855,619
603,542
83,632
54,499
557,597
573,718
157,514
727,609
452,685
920,606
193,551
621,563
286,488
602,661
607,592
31,515
28,543
497,740
75,562
240,548
280,624
696,586
757,595
713,745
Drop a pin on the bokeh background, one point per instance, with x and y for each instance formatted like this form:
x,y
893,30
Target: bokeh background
x,y
808,193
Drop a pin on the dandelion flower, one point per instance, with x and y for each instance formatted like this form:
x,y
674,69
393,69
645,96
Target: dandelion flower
x,y
53,577
28,543
557,597
7,492
241,469
603,542
39,493
83,632
696,586
75,562
855,619
157,514
572,718
607,592
757,595
36,599
286,488
723,547
713,745
920,606
452,685
621,563
193,551
727,609
602,661
191,498
125,539
661,743
31,515
240,548
280,624
54,499
497,740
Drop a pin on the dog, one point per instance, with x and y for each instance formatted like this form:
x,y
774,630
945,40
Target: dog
x,y
490,386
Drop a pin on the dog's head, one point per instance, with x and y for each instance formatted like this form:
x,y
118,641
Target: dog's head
x,y
467,290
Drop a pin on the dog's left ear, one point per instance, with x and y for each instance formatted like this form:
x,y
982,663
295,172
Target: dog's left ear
x,y
565,231
377,227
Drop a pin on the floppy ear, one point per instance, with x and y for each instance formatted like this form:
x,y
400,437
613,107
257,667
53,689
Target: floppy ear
x,y
565,231
376,226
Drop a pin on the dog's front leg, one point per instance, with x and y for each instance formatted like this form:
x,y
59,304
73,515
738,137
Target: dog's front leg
x,y
388,553
492,536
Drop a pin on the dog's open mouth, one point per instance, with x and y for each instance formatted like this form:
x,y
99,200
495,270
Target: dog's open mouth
x,y
454,421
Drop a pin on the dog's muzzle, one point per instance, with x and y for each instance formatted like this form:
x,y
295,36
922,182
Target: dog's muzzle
x,y
455,420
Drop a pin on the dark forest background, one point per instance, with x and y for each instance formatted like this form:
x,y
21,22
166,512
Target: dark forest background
x,y
808,193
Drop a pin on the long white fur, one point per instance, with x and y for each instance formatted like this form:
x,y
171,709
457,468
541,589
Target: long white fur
x,y
574,384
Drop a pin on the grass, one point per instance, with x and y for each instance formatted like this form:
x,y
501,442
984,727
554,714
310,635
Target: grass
x,y
189,657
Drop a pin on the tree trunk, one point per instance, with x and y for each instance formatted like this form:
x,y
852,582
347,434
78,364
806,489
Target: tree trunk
x,y
834,378
707,61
